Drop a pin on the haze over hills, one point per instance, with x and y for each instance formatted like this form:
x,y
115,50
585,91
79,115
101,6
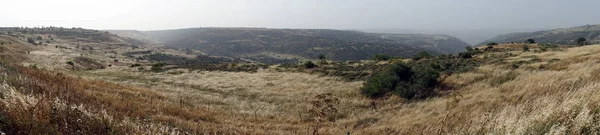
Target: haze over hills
x,y
564,36
289,45
471,36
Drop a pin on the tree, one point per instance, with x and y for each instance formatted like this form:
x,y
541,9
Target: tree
x,y
530,41
581,41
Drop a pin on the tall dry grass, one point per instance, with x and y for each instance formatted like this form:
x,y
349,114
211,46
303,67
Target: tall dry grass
x,y
553,94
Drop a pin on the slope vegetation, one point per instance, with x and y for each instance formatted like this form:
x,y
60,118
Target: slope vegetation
x,y
268,45
564,36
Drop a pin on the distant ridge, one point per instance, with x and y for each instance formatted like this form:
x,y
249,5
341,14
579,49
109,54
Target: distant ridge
x,y
564,36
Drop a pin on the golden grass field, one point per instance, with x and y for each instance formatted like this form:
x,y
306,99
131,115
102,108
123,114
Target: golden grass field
x,y
554,94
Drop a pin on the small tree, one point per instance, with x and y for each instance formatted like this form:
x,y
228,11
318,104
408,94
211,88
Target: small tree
x,y
322,59
492,44
525,48
530,41
581,41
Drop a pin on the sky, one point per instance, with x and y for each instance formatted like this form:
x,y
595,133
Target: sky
x,y
321,14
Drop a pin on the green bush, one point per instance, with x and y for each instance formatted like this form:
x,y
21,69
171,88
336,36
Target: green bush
x,y
31,41
309,64
157,67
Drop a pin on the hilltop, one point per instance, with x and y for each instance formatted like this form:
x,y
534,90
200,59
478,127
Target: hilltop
x,y
290,45
563,36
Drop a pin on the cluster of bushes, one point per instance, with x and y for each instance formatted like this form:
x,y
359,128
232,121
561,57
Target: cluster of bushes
x,y
418,79
158,67
404,81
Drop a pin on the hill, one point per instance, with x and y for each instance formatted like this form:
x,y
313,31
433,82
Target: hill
x,y
277,45
564,36
440,43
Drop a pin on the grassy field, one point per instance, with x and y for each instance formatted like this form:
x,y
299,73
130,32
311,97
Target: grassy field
x,y
552,92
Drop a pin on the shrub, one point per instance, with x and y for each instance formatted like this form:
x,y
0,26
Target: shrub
x,y
135,65
39,38
530,41
309,64
31,41
381,57
157,67
525,48
492,43
421,55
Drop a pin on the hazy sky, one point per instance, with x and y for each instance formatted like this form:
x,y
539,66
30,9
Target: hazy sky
x,y
331,14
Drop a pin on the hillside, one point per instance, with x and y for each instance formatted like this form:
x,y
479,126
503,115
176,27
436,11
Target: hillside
x,y
280,45
440,43
564,36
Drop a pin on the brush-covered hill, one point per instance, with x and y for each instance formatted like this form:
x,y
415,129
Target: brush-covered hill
x,y
440,43
564,36
276,45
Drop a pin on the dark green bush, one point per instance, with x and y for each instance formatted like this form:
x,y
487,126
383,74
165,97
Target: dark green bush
x,y
309,64
157,67
31,41
135,65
